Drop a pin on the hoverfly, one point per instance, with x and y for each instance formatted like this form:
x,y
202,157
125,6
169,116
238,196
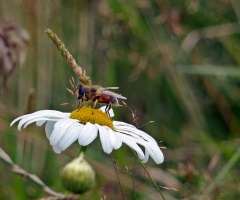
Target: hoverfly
x,y
95,94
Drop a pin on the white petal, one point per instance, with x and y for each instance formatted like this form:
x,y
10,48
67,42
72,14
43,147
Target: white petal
x,y
116,142
142,138
146,157
49,128
152,149
33,120
155,153
70,136
124,132
15,120
88,134
134,132
128,140
25,119
118,123
49,114
60,128
57,149
105,139
40,123
103,109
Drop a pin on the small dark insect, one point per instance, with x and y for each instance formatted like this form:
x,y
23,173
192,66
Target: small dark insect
x,y
95,94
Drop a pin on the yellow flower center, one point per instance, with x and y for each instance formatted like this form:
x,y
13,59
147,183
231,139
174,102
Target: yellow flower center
x,y
95,116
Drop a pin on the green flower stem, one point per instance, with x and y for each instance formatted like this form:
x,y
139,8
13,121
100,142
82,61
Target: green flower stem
x,y
149,175
83,149
68,57
82,152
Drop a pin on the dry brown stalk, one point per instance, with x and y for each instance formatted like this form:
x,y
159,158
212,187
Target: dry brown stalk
x,y
18,170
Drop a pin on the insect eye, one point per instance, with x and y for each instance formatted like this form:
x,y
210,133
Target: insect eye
x,y
81,91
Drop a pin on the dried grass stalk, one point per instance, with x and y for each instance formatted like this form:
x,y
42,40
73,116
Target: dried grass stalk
x,y
81,73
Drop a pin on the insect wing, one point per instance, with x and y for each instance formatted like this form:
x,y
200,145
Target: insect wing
x,y
113,94
110,88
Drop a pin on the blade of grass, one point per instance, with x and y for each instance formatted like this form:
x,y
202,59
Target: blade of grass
x,y
210,70
222,173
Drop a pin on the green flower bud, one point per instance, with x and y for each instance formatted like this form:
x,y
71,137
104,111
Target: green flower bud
x,y
78,176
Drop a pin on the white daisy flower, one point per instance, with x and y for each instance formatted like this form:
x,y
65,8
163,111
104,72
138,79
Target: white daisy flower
x,y
84,124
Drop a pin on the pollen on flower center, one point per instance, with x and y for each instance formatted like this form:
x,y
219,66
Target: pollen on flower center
x,y
95,116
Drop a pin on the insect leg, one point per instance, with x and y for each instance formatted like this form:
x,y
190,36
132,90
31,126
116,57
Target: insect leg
x,y
95,103
79,104
108,107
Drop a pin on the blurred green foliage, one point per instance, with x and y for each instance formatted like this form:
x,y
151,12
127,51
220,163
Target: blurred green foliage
x,y
177,62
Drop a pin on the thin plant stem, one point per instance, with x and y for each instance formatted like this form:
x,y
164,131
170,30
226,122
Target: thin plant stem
x,y
117,177
83,149
82,153
149,175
